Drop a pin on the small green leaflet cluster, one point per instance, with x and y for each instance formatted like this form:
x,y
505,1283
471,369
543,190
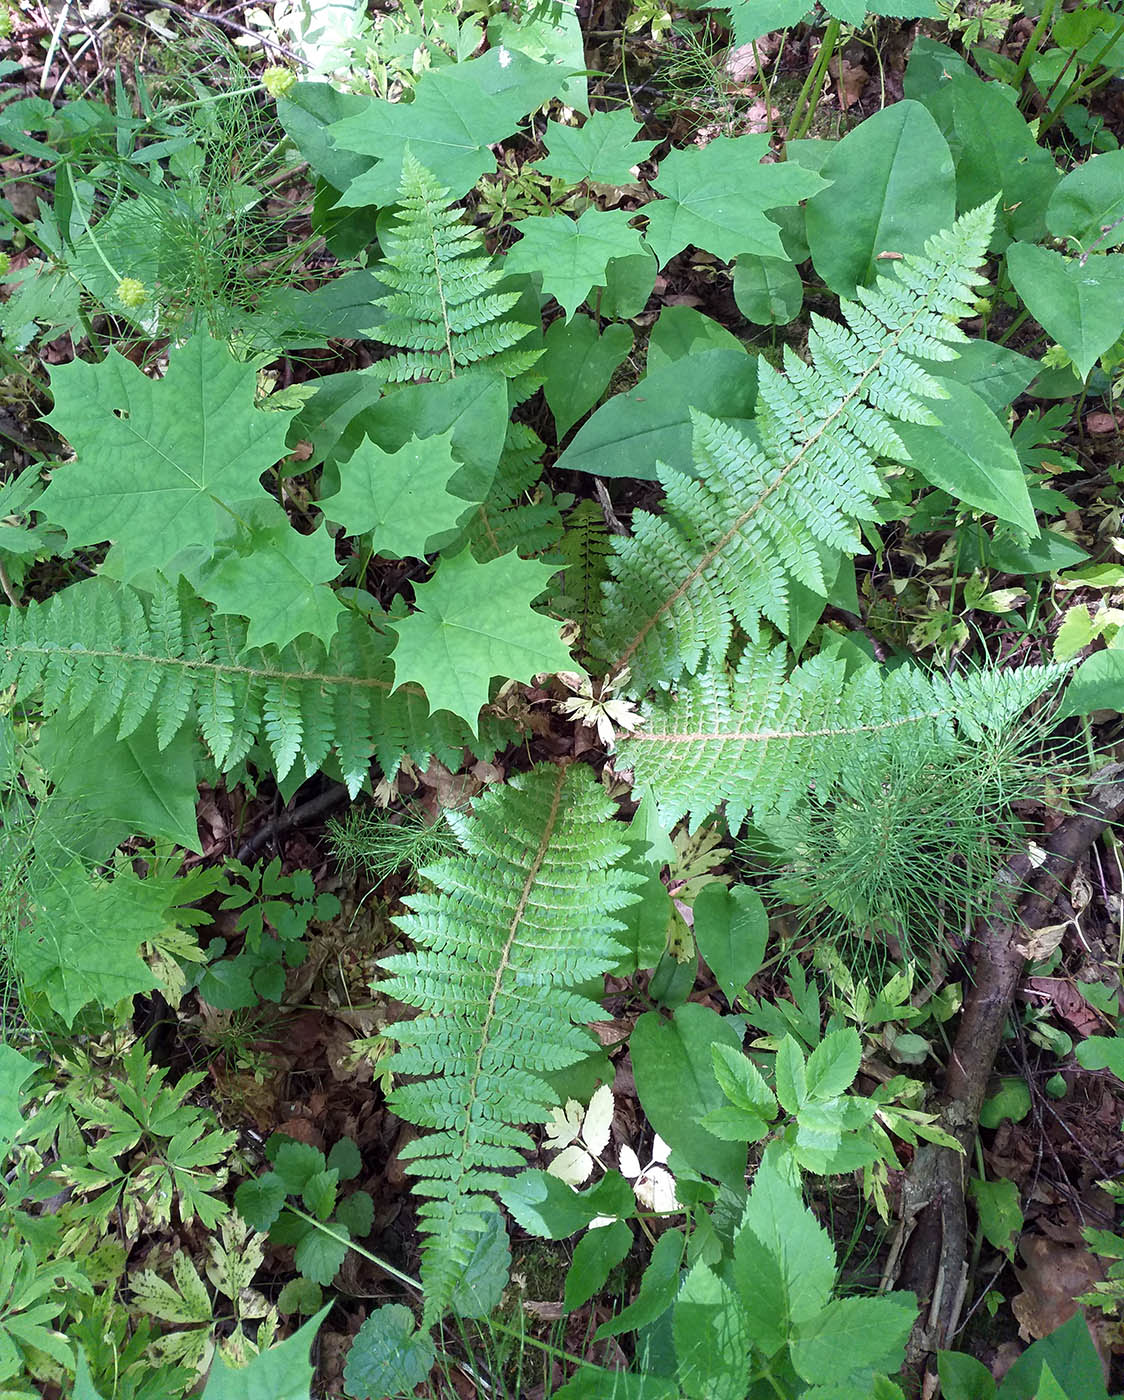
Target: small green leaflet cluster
x,y
769,1314
324,1223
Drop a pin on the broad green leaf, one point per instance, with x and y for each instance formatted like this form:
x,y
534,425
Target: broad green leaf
x,y
963,1377
995,152
602,150
15,1071
1088,205
833,1064
715,198
996,374
1068,1351
791,1076
742,1082
319,1194
458,112
389,1356
123,787
652,422
296,1163
281,1372
259,1200
680,332
1081,305
628,285
318,1254
403,496
577,366
751,19
676,1085
1011,1100
595,1383
474,622
731,929
1097,684
597,1254
548,1208
480,1287
1102,1052
473,408
155,456
307,113
968,452
83,1381
891,187
712,1342
278,579
84,943
572,254
784,1266
345,1158
852,1334
1001,1217
768,291
356,1213
657,1291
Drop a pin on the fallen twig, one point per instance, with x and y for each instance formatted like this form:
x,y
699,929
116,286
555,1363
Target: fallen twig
x,y
933,1257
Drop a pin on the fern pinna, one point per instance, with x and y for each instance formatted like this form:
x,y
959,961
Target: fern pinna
x,y
780,501
103,651
758,739
526,912
442,310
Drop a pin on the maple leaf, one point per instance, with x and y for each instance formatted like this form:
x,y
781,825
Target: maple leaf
x,y
603,150
277,578
457,114
475,621
571,254
83,940
715,197
154,456
402,496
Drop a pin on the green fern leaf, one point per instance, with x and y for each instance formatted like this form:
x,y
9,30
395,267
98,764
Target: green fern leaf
x,y
101,651
804,476
526,911
519,513
758,739
442,311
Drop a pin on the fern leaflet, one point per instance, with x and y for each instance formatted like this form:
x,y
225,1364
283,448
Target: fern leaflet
x,y
522,914
443,311
99,650
769,502
759,740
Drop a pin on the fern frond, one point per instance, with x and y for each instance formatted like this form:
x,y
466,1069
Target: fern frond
x,y
586,548
519,512
800,481
526,910
759,739
442,310
98,649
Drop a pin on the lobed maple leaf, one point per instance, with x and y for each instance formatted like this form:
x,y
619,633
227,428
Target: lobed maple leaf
x,y
157,457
